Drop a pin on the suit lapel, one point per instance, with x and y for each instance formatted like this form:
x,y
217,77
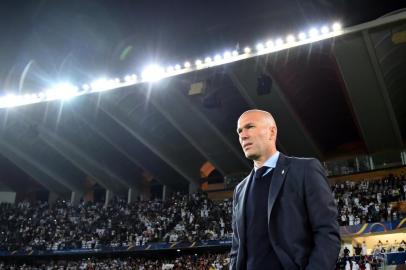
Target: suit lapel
x,y
241,206
277,182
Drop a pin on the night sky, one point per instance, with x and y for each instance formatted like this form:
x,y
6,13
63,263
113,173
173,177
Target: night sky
x,y
50,40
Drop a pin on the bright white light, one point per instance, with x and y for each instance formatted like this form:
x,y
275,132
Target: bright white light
x,y
313,32
198,62
324,30
337,26
62,91
217,58
111,83
302,36
279,42
99,85
9,101
28,98
86,87
290,39
152,73
170,69
260,47
269,44
130,78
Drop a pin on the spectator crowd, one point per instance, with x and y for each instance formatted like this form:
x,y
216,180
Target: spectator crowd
x,y
39,226
193,262
369,201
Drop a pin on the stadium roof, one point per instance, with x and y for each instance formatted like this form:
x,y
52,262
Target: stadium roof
x,y
337,97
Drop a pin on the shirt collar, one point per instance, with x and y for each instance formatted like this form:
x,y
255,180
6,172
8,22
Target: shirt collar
x,y
271,161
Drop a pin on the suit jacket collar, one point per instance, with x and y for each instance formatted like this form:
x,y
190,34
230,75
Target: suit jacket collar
x,y
278,178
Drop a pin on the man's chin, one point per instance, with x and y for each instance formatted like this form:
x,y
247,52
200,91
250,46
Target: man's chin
x,y
251,156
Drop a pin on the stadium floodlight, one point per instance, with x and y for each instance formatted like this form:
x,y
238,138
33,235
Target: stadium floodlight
x,y
336,26
269,44
9,101
260,47
86,87
153,73
302,36
279,42
29,98
290,39
101,84
198,62
325,30
313,32
130,78
62,91
217,58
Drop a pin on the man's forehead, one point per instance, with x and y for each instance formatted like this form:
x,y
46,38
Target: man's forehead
x,y
250,117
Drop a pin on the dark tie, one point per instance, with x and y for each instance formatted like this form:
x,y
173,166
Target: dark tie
x,y
260,172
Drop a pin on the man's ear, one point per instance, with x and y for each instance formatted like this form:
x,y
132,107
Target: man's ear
x,y
273,132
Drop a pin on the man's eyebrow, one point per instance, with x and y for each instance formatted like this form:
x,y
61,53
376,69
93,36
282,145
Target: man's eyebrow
x,y
244,126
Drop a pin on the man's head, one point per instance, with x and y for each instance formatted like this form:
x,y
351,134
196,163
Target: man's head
x,y
257,134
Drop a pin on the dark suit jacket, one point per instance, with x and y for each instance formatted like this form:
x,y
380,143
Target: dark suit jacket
x,y
302,217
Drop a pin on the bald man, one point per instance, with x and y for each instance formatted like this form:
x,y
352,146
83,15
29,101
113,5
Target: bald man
x,y
284,215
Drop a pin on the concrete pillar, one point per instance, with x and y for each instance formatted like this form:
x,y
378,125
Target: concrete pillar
x,y
193,187
403,157
109,195
52,198
371,163
8,197
357,164
133,193
75,197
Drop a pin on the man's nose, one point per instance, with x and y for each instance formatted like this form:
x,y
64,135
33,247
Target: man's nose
x,y
243,135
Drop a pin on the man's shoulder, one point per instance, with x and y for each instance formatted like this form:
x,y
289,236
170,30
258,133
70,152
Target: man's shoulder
x,y
241,184
300,161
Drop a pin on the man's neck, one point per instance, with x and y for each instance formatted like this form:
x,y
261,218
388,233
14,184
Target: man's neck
x,y
260,162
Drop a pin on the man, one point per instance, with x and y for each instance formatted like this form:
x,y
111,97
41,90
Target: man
x,y
284,215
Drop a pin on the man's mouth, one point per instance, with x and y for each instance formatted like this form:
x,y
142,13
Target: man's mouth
x,y
246,145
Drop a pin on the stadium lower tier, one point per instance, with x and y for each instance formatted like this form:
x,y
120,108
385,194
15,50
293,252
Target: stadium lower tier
x,y
167,261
